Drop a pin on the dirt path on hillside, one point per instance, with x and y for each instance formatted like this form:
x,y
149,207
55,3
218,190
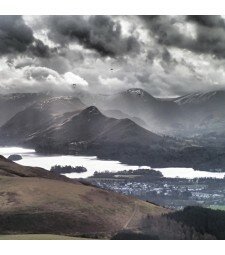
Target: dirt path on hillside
x,y
136,208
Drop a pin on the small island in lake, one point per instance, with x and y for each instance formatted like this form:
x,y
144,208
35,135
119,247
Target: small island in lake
x,y
139,174
68,169
15,157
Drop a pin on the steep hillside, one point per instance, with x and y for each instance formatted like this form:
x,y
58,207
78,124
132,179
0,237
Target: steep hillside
x,y
189,115
89,132
158,115
37,204
38,125
37,117
117,114
32,200
213,97
203,113
204,220
11,104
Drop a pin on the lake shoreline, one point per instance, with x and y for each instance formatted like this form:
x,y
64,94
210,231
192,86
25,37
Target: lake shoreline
x,y
94,163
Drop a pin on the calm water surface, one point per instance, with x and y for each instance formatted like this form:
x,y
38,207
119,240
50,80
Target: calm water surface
x,y
31,158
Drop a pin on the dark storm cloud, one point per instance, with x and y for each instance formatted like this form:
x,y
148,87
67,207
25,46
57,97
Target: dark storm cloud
x,y
99,33
39,49
152,54
207,20
164,31
210,33
167,61
16,37
165,55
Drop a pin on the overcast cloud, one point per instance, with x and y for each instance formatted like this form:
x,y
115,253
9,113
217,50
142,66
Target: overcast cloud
x,y
165,55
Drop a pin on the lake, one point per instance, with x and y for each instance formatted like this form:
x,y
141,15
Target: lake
x,y
92,163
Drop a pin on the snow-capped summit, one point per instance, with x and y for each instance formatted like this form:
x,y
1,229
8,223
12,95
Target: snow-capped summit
x,y
136,91
196,98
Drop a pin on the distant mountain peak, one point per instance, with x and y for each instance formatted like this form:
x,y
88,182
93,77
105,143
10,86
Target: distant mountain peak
x,y
136,91
91,110
200,97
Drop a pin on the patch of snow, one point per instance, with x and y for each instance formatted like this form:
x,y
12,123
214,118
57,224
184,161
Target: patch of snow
x,y
138,92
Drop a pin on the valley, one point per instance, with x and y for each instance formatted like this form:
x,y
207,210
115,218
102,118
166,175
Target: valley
x,y
173,188
38,204
66,125
145,157
174,193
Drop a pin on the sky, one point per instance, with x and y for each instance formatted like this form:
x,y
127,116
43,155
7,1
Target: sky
x,y
167,56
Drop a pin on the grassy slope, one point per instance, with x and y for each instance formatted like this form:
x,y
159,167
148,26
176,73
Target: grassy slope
x,y
53,205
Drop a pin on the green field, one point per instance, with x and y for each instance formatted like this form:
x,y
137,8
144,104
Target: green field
x,y
39,237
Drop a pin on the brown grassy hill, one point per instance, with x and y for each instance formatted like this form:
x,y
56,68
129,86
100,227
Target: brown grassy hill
x,y
32,200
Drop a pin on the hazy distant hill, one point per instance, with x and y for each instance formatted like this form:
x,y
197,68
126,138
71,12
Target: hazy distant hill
x,y
203,112
193,114
158,115
38,116
211,98
189,115
11,104
121,115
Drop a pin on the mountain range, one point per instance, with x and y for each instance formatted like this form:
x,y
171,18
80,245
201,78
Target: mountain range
x,y
186,116
147,131
189,115
133,127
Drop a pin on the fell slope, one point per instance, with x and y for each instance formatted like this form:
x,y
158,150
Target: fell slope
x,y
11,104
91,125
37,126
38,116
159,115
203,113
51,204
